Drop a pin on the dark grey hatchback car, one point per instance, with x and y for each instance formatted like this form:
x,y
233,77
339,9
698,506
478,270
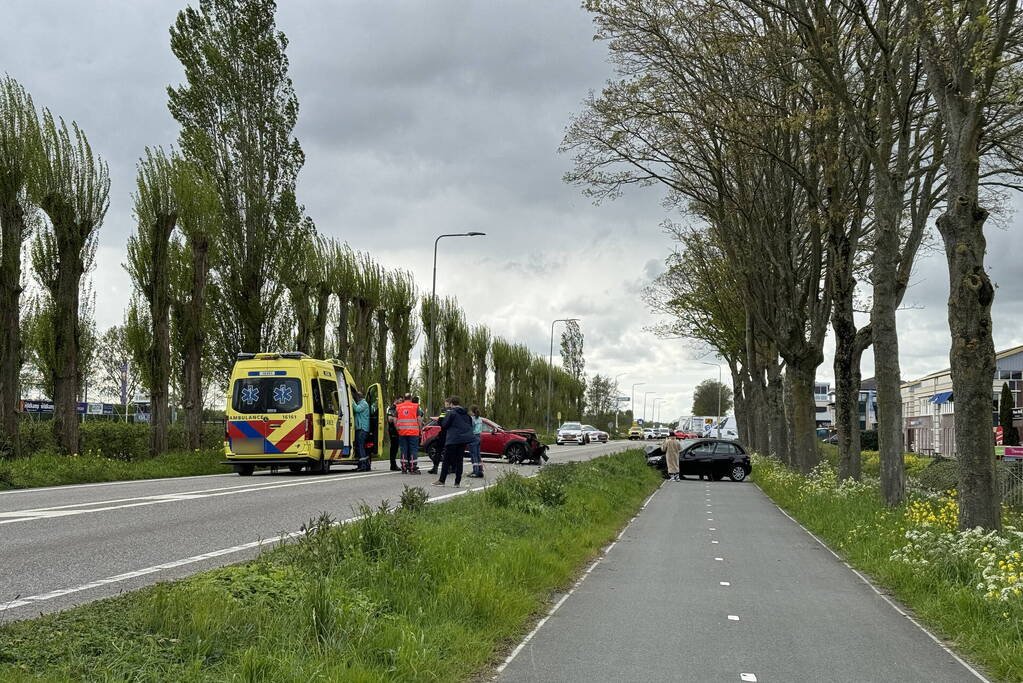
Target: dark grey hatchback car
x,y
713,458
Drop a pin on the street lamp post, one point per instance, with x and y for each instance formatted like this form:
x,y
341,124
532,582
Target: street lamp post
x,y
718,365
617,402
550,368
632,405
645,394
656,410
433,318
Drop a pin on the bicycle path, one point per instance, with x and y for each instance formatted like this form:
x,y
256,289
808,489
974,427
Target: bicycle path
x,y
712,582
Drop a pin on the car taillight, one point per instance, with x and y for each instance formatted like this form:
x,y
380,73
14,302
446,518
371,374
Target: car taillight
x,y
309,427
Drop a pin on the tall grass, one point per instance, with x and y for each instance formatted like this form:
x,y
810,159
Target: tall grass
x,y
427,593
915,551
49,469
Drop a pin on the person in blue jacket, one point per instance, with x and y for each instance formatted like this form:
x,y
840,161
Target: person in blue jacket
x,y
457,426
361,430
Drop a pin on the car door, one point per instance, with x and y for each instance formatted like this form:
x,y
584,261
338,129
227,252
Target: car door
x,y
491,442
375,399
697,458
724,455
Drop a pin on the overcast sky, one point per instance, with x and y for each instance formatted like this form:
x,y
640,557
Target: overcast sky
x,y
421,118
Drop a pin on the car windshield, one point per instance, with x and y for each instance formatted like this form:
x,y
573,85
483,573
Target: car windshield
x,y
589,428
571,425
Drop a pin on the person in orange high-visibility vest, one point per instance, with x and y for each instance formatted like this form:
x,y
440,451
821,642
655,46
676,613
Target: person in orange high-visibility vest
x,y
408,423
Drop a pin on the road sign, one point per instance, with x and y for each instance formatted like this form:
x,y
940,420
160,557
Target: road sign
x,y
610,425
626,399
639,422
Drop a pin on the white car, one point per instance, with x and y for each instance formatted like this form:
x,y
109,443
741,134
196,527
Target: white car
x,y
571,432
649,433
594,435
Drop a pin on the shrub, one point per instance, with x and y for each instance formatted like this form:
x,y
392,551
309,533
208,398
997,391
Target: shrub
x,y
413,498
940,475
868,439
115,440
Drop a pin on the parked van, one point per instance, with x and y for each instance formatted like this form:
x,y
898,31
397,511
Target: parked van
x,y
287,409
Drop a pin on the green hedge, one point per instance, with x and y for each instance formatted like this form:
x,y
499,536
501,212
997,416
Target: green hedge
x,y
113,440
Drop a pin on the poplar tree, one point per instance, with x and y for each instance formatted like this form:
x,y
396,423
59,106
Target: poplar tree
x,y
72,187
237,110
19,143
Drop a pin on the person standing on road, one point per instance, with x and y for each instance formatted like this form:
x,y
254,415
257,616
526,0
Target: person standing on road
x,y
458,434
392,432
361,431
408,424
671,448
436,450
474,447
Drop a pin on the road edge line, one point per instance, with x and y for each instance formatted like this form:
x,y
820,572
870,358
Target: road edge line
x,y
556,606
873,587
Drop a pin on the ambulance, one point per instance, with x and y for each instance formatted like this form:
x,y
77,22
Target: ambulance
x,y
290,410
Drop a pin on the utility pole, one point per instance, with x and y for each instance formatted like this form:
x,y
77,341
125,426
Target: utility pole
x,y
617,402
632,405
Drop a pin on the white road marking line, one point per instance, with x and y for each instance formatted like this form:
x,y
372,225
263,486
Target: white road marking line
x,y
67,510
884,597
719,559
711,529
525,641
714,542
751,678
733,617
21,602
724,583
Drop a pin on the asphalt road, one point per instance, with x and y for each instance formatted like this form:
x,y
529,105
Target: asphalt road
x,y
711,582
68,545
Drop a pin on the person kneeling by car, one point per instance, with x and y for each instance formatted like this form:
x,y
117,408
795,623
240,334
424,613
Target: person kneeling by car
x,y
672,448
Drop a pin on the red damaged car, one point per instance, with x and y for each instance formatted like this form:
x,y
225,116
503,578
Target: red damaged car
x,y
517,445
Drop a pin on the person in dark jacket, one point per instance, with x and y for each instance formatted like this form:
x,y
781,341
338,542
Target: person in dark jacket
x,y
392,431
436,451
457,425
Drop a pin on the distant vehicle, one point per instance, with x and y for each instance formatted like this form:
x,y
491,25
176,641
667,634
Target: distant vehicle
x,y
595,435
571,432
649,433
635,433
713,458
517,445
683,434
727,428
663,432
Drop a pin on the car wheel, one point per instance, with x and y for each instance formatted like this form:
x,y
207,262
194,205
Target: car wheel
x,y
295,469
561,443
245,470
317,467
738,473
516,453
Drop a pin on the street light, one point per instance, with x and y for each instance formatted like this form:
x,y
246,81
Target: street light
x,y
633,404
550,368
433,317
655,409
617,396
646,394
718,365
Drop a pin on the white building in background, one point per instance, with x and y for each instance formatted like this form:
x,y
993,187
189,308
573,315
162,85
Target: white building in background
x,y
823,401
928,404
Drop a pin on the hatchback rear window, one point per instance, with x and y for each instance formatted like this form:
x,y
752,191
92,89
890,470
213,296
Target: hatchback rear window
x,y
267,395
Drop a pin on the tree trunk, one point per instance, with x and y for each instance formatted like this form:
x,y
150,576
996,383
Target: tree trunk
x,y
973,354
382,347
12,233
800,377
320,323
304,331
66,342
777,424
847,418
195,339
342,329
159,357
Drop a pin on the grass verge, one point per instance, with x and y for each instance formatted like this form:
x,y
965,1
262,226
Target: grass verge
x,y
427,593
48,469
967,586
